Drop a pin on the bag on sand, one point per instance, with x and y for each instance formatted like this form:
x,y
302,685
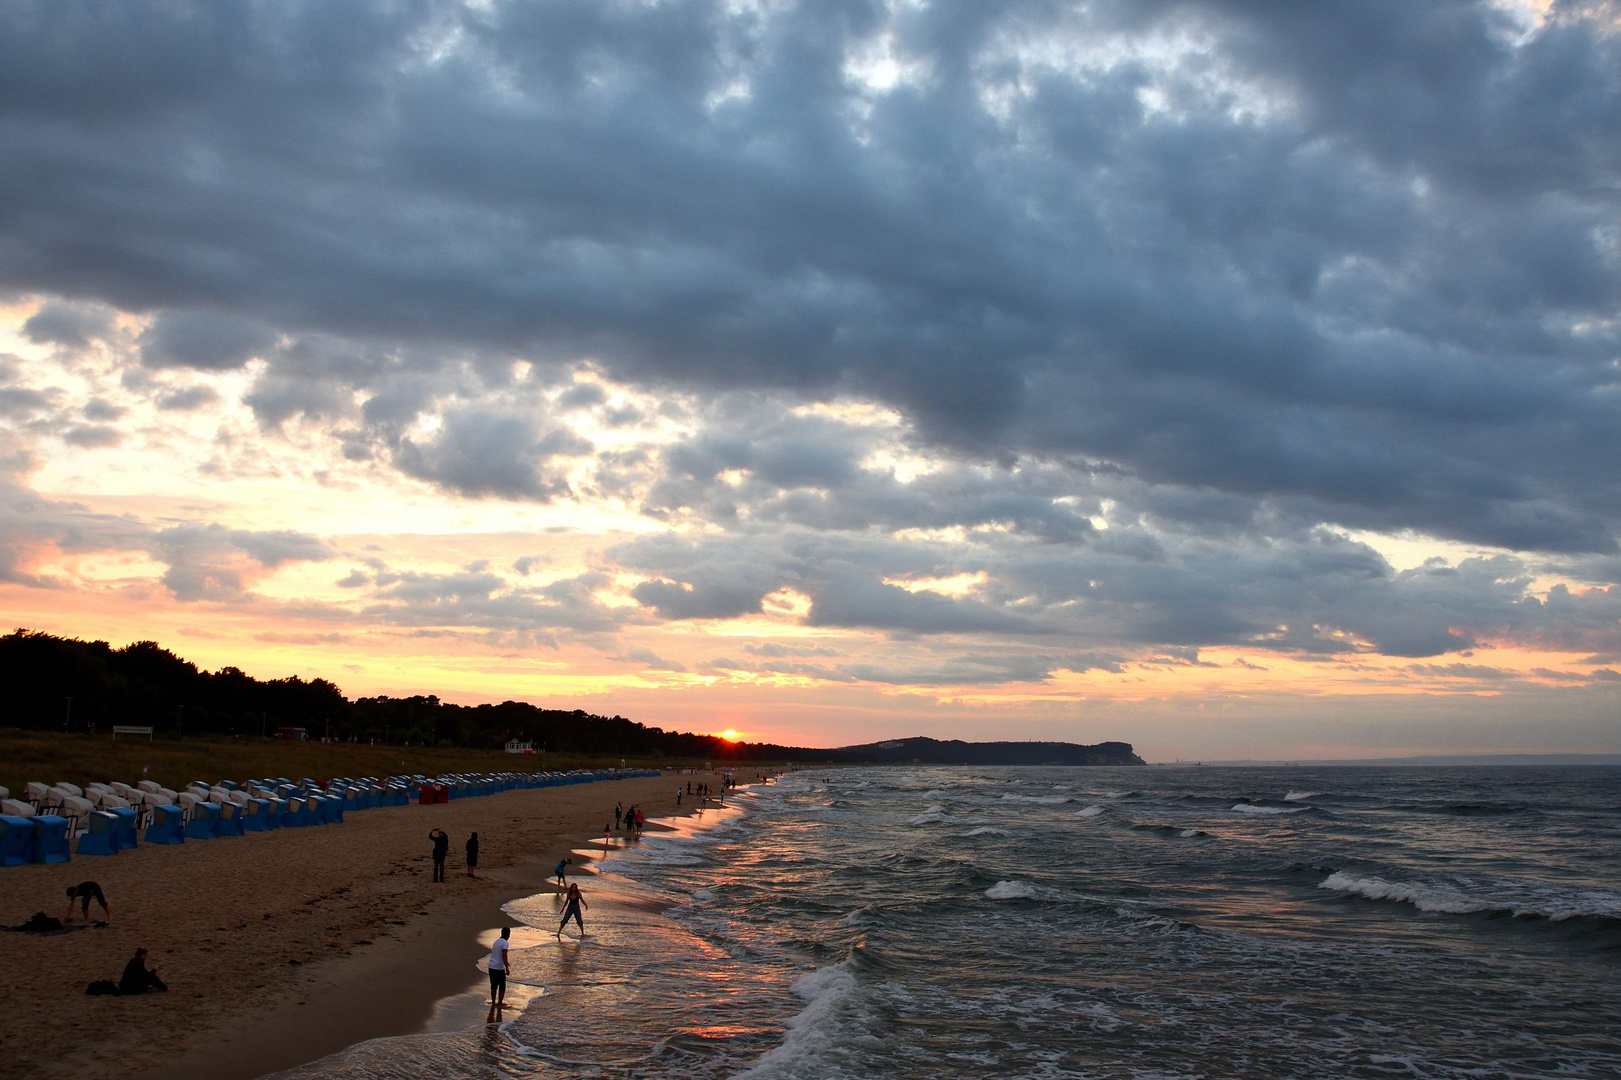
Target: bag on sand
x,y
40,923
101,987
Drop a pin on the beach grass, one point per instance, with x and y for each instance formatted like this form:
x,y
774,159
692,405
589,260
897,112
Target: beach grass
x,y
53,757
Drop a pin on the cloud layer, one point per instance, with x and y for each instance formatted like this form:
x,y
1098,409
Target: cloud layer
x,y
1039,337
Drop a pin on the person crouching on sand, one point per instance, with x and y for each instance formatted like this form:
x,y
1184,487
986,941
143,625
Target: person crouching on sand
x,y
571,910
84,893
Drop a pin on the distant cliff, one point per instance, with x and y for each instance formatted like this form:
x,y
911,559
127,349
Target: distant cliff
x,y
956,752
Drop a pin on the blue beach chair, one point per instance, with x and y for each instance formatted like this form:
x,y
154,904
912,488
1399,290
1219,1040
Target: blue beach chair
x,y
16,839
204,823
168,825
101,838
49,844
230,820
255,813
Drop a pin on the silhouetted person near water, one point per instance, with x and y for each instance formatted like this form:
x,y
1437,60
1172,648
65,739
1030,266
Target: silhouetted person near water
x,y
571,910
441,848
472,855
561,870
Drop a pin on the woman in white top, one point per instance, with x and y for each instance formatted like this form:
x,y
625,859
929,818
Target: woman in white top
x,y
498,975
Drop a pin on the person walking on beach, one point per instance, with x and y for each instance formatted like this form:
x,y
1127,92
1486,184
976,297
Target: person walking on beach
x,y
441,848
472,855
571,910
678,796
498,975
639,820
619,813
561,871
85,892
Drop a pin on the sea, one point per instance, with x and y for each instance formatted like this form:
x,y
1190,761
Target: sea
x,y
1141,923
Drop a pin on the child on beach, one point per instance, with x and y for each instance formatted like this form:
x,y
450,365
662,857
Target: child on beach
x,y
571,910
562,871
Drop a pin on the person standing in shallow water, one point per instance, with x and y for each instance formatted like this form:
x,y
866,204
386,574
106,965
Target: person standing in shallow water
x,y
571,910
472,855
498,975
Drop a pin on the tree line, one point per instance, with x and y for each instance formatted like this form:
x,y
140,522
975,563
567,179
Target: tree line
x,y
66,684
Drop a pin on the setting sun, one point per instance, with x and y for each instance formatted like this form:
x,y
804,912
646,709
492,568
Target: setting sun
x,y
729,735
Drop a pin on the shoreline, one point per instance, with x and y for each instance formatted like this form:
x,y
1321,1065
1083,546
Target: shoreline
x,y
424,981
342,918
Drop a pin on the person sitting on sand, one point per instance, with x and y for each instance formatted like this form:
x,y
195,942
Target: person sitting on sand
x,y
472,855
561,870
137,979
441,848
571,910
498,974
85,892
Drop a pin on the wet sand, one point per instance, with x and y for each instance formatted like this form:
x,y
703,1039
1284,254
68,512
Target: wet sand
x,y
280,948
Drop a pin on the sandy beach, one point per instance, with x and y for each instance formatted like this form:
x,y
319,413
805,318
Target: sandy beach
x,y
280,948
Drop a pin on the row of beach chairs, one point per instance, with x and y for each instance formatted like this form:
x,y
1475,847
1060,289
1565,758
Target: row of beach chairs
x,y
42,824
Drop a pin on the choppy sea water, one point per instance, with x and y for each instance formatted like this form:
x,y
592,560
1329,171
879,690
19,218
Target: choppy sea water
x,y
1133,923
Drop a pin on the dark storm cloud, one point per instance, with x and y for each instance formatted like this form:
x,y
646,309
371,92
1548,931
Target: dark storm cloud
x,y
203,340
478,453
1353,255
1218,273
69,324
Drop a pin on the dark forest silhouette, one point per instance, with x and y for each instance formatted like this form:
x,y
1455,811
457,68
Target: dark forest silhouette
x,y
65,684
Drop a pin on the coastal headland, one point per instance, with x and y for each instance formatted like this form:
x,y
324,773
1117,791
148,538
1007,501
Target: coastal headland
x,y
281,947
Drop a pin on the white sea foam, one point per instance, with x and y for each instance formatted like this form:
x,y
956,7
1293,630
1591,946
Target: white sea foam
x,y
819,1031
703,894
1302,796
1251,808
934,813
1191,833
1092,811
937,794
1010,890
858,917
1519,898
1051,800
987,830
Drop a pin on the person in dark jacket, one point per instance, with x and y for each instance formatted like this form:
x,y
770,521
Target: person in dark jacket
x,y
137,979
472,855
441,848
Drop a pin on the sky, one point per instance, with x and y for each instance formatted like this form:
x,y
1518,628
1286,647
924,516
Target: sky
x,y
1236,379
